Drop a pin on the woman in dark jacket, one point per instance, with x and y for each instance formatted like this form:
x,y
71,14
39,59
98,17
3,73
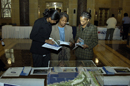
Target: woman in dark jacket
x,y
40,34
87,36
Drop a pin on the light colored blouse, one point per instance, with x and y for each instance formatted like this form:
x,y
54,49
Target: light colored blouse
x,y
62,33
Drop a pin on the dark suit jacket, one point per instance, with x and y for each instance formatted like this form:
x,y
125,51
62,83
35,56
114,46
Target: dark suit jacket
x,y
90,37
40,32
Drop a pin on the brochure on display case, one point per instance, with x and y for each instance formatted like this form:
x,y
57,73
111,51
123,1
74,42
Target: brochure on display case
x,y
22,82
122,70
17,71
25,71
116,70
40,71
109,70
13,72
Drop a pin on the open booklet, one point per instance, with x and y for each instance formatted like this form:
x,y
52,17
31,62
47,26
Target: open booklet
x,y
81,43
58,44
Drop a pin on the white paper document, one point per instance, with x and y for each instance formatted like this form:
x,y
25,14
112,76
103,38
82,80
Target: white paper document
x,y
1,84
23,82
59,42
7,84
54,47
64,43
13,72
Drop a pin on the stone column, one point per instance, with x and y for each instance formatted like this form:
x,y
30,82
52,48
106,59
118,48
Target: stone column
x,y
82,6
24,12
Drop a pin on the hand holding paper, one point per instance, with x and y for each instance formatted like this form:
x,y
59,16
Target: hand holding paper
x,y
49,41
80,42
55,41
56,44
85,46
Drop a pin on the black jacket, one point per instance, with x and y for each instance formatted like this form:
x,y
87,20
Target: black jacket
x,y
40,32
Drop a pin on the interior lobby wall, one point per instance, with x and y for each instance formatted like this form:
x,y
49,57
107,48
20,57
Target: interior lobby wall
x,y
42,5
15,12
126,6
33,11
37,7
91,7
114,7
73,12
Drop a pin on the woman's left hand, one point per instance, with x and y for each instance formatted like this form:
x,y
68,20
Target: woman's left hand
x,y
85,46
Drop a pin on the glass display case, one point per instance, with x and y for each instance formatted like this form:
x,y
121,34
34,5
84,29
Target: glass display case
x,y
74,73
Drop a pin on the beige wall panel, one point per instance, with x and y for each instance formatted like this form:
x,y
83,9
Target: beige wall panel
x,y
72,16
15,1
33,11
126,6
91,6
94,5
15,12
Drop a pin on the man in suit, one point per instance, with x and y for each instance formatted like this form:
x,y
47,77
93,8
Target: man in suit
x,y
62,32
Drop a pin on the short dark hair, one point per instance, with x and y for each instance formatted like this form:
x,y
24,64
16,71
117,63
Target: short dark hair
x,y
63,14
51,13
86,15
125,14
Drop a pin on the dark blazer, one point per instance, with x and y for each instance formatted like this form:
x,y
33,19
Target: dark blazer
x,y
90,37
40,32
